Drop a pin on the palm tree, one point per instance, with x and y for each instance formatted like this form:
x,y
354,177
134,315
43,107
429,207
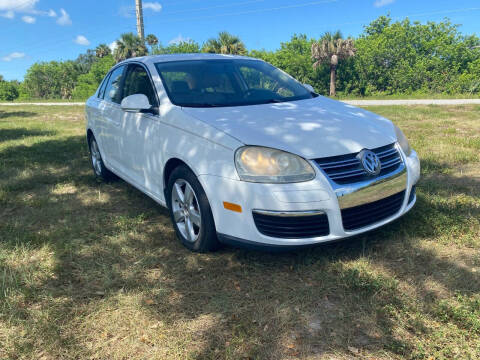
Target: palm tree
x,y
225,44
129,45
331,48
102,50
151,39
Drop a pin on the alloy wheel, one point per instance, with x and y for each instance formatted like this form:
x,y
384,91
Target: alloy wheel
x,y
186,210
96,158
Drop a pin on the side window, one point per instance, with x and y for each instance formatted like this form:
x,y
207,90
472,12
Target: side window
x,y
137,81
113,91
101,92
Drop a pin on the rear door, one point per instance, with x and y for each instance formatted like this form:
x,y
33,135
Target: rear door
x,y
141,148
112,116
94,109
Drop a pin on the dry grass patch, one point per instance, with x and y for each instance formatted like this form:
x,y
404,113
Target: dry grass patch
x,y
93,271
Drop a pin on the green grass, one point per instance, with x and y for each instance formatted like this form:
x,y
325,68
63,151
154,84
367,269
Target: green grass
x,y
93,270
338,97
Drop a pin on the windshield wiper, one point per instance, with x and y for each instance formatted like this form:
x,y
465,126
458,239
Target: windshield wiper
x,y
200,105
272,101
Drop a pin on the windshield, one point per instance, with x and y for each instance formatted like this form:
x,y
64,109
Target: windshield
x,y
236,82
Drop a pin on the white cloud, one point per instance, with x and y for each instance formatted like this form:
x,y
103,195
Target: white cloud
x,y
113,45
8,8
29,19
8,14
64,19
179,39
155,6
49,13
18,6
82,40
12,56
380,3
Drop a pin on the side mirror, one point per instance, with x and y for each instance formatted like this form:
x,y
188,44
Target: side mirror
x,y
309,87
135,103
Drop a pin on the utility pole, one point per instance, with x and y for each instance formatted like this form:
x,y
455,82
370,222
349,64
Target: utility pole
x,y
139,11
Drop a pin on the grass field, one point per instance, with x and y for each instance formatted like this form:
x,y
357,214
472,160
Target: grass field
x,y
93,271
338,97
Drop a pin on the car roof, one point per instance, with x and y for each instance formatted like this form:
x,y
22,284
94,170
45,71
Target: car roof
x,y
183,57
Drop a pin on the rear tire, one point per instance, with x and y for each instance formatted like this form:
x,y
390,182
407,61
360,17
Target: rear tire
x,y
190,211
99,169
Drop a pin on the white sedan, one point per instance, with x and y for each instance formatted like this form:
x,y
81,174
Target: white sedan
x,y
242,153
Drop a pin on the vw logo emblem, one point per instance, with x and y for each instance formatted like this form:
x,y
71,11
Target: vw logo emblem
x,y
370,162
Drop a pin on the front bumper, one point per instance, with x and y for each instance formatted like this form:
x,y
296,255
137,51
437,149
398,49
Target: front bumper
x,y
315,195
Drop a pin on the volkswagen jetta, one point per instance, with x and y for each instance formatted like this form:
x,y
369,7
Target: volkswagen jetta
x,y
240,152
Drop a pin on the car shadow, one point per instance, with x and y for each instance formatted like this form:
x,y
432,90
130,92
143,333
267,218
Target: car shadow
x,y
110,240
21,114
22,133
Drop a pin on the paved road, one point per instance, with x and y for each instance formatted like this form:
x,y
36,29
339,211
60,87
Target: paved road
x,y
414,102
351,102
43,104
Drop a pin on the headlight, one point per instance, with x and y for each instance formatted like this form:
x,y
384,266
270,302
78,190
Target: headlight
x,y
402,140
266,165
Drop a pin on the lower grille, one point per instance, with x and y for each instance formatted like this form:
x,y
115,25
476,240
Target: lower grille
x,y
292,226
367,214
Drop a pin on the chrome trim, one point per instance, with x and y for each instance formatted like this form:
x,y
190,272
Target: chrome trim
x,y
391,162
331,169
338,163
387,152
373,190
349,173
288,213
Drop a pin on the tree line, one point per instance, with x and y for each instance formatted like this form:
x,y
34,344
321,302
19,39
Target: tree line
x,y
401,57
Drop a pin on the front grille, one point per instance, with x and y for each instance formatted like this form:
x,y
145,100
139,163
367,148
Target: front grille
x,y
412,194
367,214
347,169
292,226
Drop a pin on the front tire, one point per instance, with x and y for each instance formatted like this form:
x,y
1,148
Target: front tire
x,y
98,166
190,211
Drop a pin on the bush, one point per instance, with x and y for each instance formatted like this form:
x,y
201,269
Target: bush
x,y
405,57
88,83
8,91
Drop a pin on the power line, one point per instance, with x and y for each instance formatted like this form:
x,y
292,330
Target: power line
x,y
245,12
213,7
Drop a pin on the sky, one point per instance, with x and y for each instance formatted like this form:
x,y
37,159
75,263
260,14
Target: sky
x,y
45,30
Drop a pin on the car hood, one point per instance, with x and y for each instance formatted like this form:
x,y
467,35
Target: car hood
x,y
311,128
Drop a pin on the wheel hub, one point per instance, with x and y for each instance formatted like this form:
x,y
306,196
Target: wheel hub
x,y
186,210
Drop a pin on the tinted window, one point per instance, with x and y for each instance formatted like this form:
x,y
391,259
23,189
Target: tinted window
x,y
259,80
204,83
113,89
137,81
